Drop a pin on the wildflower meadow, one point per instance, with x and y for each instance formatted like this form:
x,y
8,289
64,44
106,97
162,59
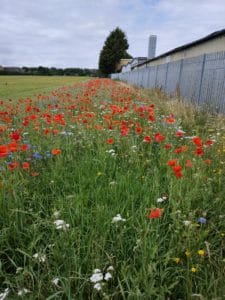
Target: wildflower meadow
x,y
108,191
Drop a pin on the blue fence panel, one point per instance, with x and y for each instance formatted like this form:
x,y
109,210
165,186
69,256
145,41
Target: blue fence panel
x,y
190,80
213,82
152,77
173,76
145,77
161,76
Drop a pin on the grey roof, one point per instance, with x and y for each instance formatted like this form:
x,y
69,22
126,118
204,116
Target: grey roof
x,y
186,46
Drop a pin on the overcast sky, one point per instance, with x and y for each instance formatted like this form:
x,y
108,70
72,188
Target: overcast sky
x,y
71,33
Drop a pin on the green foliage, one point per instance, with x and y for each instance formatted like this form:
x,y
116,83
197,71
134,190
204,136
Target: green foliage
x,y
45,71
114,49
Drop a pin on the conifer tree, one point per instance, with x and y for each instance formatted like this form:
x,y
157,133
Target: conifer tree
x,y
114,49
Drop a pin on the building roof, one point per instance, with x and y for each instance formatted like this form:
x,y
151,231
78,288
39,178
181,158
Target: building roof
x,y
186,46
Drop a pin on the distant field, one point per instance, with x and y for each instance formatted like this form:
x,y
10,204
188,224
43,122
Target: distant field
x,y
21,86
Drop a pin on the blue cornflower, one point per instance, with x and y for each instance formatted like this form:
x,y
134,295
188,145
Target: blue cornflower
x,y
202,220
37,155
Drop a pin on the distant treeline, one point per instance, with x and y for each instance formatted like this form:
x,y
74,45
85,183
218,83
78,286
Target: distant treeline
x,y
44,71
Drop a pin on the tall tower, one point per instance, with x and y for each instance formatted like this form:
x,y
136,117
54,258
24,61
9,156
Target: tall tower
x,y
152,46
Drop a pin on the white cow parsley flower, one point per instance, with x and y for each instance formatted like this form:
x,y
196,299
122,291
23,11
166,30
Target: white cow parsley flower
x,y
187,223
40,257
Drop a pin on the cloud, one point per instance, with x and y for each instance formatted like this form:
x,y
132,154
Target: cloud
x,y
71,33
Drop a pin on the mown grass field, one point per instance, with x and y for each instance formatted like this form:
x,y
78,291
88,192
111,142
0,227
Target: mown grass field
x,y
110,192
21,86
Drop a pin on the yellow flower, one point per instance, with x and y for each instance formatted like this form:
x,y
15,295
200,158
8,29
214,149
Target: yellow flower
x,y
201,252
188,253
177,260
99,173
193,270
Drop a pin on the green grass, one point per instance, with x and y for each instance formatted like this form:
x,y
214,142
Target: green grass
x,y
22,86
91,181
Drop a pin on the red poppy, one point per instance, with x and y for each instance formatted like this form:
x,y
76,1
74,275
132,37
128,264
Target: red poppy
x,y
46,131
189,163
13,146
159,137
208,161
170,120
209,143
199,151
25,165
138,130
167,146
56,151
24,147
179,133
177,168
13,165
197,141
172,162
155,213
110,141
147,139
177,171
124,130
55,131
181,149
15,136
151,118
3,151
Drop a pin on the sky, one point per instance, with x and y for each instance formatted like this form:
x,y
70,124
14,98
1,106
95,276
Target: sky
x,y
71,33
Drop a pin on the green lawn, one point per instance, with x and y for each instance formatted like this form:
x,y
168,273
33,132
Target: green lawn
x,y
22,86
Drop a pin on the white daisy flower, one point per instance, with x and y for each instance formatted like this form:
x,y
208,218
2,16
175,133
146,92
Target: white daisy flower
x,y
118,218
108,276
98,286
61,224
56,214
23,292
110,268
96,277
55,281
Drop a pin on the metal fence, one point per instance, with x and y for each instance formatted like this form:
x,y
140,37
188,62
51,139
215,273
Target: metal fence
x,y
200,80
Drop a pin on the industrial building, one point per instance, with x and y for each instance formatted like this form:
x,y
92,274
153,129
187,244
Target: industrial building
x,y
194,71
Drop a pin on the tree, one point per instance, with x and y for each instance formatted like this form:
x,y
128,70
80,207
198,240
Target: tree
x,y
114,49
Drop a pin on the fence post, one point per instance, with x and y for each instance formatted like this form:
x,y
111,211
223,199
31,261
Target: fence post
x,y
148,75
167,67
177,91
156,75
201,79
